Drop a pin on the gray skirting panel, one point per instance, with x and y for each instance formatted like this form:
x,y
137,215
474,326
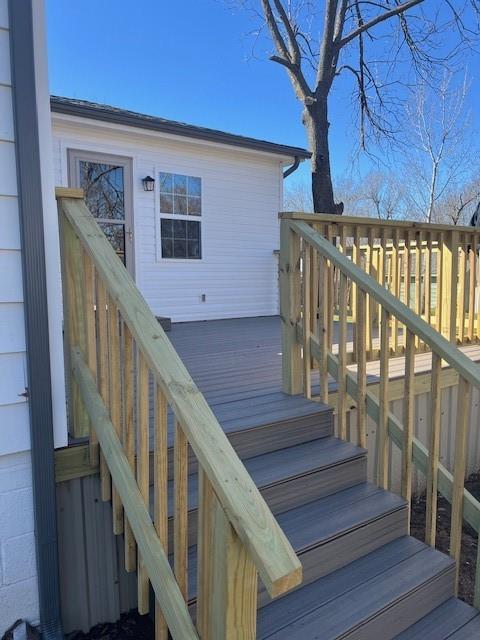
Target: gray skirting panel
x,y
93,583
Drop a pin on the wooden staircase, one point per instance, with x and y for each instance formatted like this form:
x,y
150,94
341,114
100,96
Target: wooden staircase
x,y
364,577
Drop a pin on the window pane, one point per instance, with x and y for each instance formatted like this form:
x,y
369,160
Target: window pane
x,y
115,234
194,206
166,182
194,186
179,229
104,189
180,248
167,228
180,205
193,248
193,230
166,204
180,184
167,248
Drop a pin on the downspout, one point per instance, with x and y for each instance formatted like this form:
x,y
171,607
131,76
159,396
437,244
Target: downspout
x,y
39,390
292,168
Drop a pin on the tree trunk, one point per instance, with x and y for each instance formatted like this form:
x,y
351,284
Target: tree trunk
x,y
315,119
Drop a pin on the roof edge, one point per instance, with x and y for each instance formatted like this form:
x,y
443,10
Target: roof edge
x,y
114,115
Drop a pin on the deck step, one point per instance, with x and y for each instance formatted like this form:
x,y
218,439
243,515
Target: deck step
x,y
446,622
261,424
334,531
293,476
375,597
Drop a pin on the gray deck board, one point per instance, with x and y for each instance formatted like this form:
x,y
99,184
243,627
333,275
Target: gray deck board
x,y
442,622
377,606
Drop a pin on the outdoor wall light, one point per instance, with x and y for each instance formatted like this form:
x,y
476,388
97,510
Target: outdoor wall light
x,y
148,183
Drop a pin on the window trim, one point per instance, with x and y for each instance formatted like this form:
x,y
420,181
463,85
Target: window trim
x,y
194,173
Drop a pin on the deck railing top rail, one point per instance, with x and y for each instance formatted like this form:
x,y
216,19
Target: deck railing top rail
x,y
376,222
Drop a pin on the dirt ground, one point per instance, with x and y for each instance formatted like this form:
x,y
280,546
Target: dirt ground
x,y
131,625
470,538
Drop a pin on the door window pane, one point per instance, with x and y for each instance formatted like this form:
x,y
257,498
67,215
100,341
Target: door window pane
x,y
115,234
104,189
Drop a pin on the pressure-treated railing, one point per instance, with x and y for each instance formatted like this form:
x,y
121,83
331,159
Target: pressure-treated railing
x,y
433,269
116,348
308,262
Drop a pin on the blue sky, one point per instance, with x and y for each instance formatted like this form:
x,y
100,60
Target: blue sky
x,y
189,61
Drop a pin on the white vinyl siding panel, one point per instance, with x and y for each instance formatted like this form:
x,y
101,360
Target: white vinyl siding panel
x,y
241,195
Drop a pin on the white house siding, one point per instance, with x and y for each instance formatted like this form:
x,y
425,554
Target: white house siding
x,y
241,196
18,586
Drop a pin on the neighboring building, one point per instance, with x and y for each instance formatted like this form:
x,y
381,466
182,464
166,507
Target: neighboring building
x,y
201,244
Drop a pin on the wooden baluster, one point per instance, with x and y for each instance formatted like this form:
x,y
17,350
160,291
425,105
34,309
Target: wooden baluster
x,y
322,332
306,281
330,290
450,286
160,491
407,272
383,438
103,376
180,521
129,435
418,279
460,461
439,302
143,471
290,287
427,279
396,275
433,451
369,268
357,259
115,401
361,368
477,271
471,288
460,319
91,341
227,578
408,418
342,358
314,274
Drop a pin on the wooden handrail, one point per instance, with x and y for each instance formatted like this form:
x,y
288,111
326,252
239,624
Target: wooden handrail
x,y
300,239
449,352
375,222
255,525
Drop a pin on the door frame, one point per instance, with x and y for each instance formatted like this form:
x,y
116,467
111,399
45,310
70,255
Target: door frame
x,y
74,156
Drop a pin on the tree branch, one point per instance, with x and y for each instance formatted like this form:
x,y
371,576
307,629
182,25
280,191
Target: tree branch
x,y
401,8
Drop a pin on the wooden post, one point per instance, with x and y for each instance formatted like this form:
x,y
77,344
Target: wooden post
x,y
323,332
449,286
471,287
103,375
460,319
290,284
74,314
227,579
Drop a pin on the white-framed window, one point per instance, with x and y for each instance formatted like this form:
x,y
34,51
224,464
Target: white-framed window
x,y
180,203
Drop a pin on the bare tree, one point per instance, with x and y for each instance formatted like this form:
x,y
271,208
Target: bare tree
x,y
439,149
297,196
377,43
459,203
383,195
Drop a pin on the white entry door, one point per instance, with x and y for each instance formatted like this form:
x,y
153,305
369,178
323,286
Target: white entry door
x,y
107,183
